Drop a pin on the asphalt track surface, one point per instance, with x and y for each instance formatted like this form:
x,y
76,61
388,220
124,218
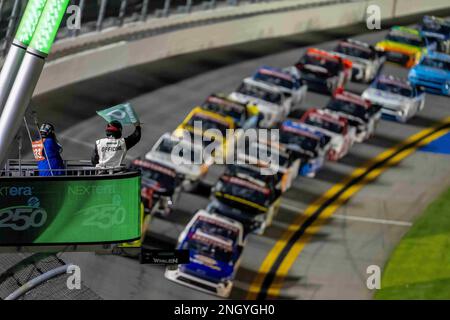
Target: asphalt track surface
x,y
333,261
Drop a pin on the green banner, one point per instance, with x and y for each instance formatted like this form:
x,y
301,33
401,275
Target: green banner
x,y
57,211
124,113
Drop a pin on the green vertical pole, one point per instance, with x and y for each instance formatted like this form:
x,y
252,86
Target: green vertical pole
x,y
29,72
20,43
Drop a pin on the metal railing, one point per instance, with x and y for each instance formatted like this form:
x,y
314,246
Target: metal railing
x,y
73,168
98,15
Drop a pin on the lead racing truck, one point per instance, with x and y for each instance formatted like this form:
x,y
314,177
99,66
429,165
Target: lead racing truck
x,y
215,245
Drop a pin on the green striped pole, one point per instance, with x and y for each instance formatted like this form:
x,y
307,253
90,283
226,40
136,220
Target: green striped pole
x,y
29,72
18,48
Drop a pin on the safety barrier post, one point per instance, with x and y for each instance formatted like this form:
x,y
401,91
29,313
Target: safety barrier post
x,y
101,15
122,11
188,6
144,10
166,9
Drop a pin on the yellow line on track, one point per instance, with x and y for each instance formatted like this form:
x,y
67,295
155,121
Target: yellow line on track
x,y
424,137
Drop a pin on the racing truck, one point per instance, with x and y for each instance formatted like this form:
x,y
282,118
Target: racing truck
x,y
336,127
323,71
432,74
245,116
360,113
182,156
247,198
437,30
404,46
276,161
309,145
215,245
286,80
159,186
366,60
270,100
208,129
397,98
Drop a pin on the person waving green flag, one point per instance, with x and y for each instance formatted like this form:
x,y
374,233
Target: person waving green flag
x,y
124,113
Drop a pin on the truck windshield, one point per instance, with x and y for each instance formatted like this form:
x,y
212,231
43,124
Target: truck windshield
x,y
324,124
303,141
347,107
149,177
406,39
332,66
167,146
435,63
355,51
443,29
233,111
396,89
209,250
207,123
260,93
247,191
219,231
273,79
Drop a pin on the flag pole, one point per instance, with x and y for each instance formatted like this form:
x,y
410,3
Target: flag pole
x,y
29,72
21,41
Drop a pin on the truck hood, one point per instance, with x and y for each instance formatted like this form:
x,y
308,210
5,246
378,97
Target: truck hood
x,y
263,105
386,98
429,72
207,268
357,62
336,140
399,47
189,170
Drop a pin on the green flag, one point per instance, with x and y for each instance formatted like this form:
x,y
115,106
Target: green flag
x,y
124,113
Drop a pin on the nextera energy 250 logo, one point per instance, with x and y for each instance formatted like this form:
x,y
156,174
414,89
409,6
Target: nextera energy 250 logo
x,y
22,217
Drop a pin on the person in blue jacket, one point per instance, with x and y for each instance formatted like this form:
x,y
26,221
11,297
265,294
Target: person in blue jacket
x,y
47,152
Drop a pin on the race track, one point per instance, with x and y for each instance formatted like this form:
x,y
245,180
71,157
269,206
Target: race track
x,y
333,262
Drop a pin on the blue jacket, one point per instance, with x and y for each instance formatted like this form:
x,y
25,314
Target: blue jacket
x,y
50,155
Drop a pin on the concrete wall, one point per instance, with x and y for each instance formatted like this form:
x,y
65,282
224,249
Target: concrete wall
x,y
124,54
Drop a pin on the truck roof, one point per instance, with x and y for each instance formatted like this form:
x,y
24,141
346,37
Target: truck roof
x,y
300,129
394,81
352,98
246,184
152,165
275,72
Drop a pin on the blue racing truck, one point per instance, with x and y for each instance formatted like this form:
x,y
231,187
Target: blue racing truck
x,y
432,73
215,245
